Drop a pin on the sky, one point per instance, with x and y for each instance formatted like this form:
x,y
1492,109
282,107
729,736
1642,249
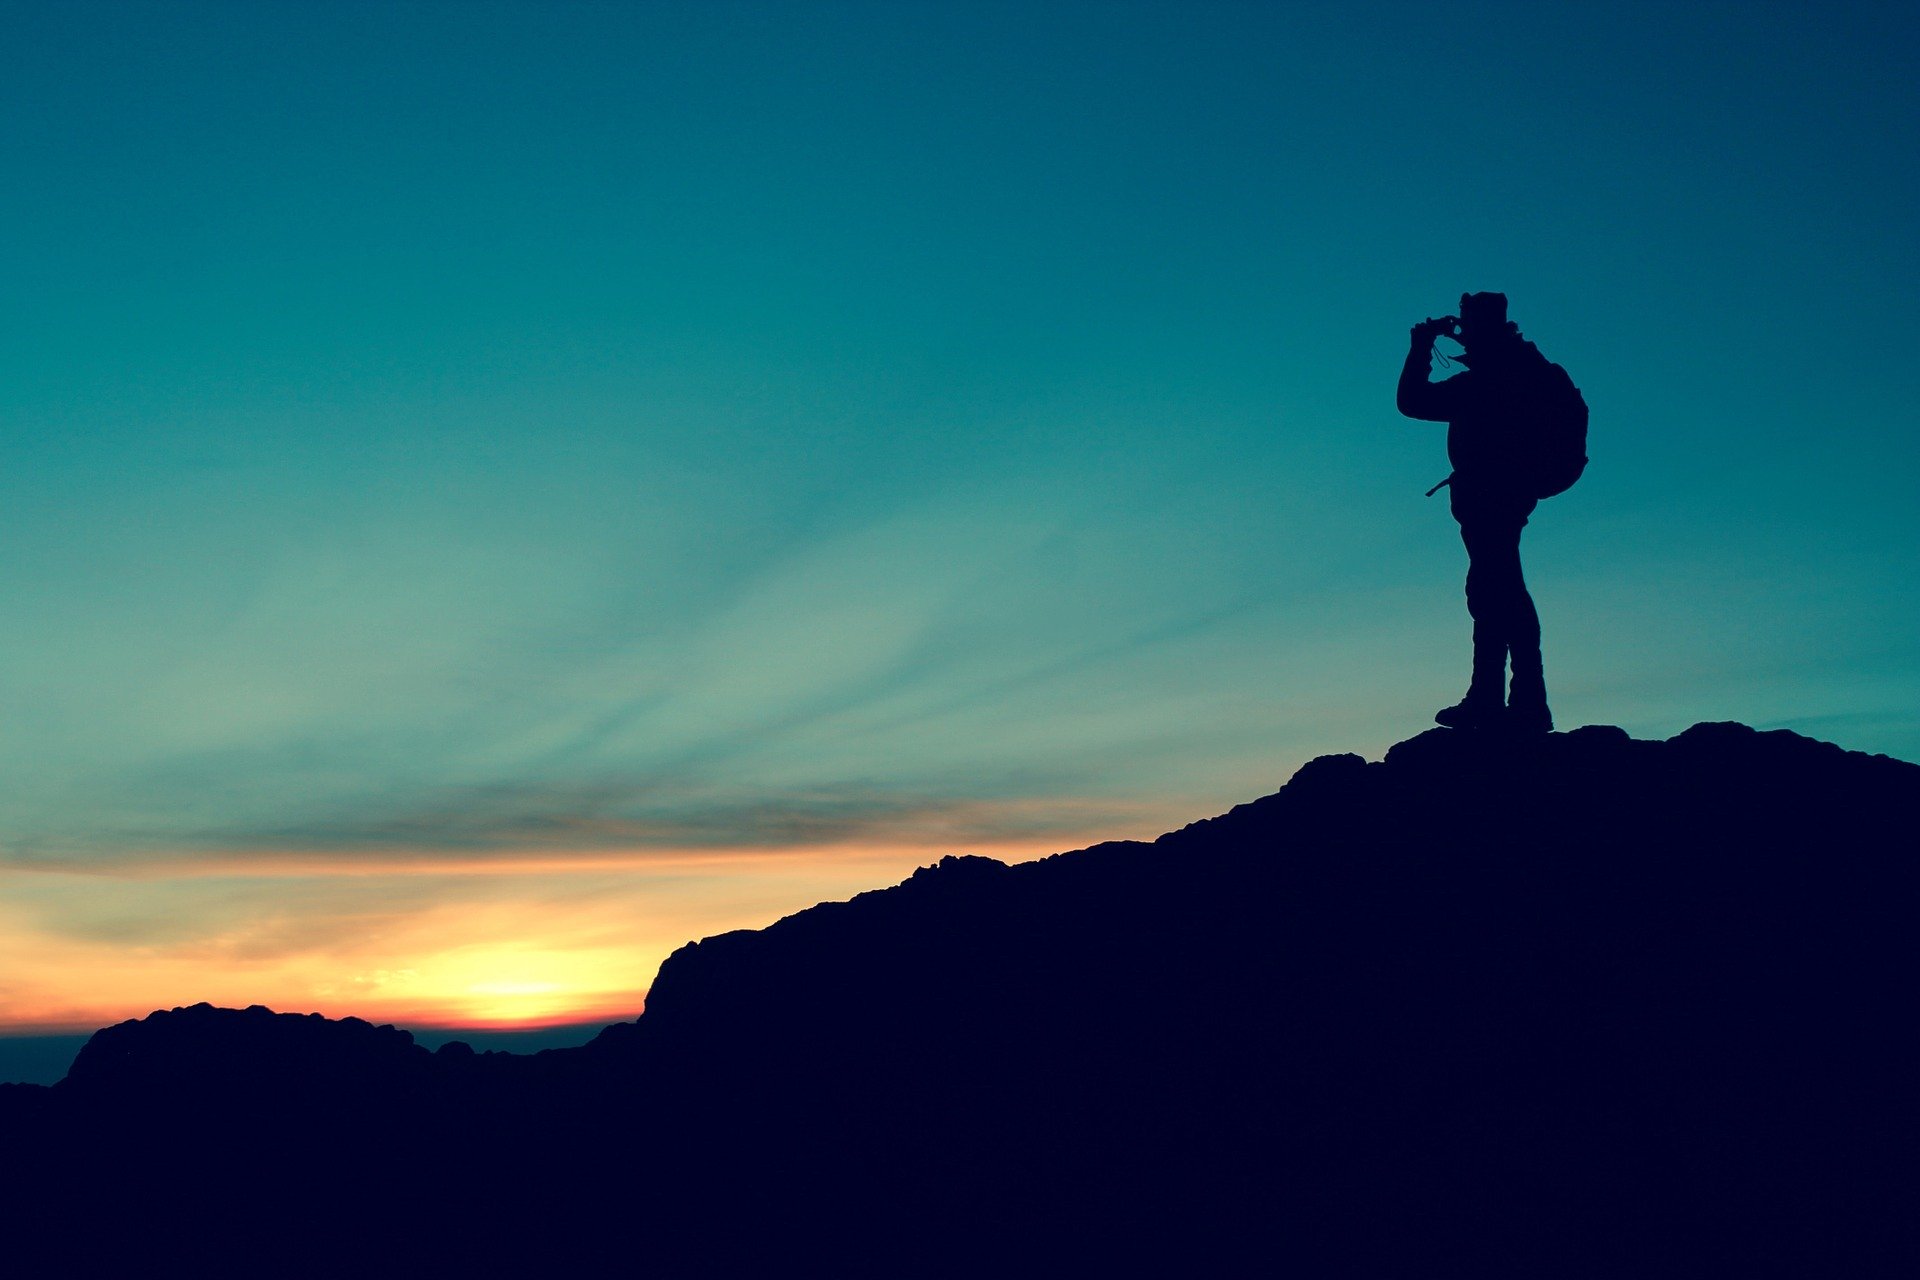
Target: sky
x,y
491,492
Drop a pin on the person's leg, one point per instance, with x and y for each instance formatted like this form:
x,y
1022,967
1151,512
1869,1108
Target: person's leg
x,y
1505,622
1485,702
1504,598
1527,707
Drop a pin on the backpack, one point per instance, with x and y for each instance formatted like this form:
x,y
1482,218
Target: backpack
x,y
1557,452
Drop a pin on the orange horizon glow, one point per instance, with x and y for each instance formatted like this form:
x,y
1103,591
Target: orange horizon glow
x,y
519,941
432,1020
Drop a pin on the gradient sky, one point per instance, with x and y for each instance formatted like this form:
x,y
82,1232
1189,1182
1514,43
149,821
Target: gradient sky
x,y
493,491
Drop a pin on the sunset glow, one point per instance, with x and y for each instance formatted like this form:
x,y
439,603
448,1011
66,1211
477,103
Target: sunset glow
x,y
515,942
494,492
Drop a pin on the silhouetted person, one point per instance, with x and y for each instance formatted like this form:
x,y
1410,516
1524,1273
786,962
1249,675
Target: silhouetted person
x,y
1508,449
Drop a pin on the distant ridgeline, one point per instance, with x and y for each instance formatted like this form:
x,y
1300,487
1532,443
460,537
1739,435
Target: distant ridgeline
x,y
1580,1005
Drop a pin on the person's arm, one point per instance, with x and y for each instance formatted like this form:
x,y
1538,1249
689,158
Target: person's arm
x,y
1417,397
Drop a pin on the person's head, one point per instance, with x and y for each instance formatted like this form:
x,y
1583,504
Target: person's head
x,y
1483,319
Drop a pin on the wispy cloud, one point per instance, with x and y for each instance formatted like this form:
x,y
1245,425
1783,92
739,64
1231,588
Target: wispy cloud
x,y
873,684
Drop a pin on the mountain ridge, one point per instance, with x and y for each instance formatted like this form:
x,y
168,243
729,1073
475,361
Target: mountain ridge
x,y
1580,1004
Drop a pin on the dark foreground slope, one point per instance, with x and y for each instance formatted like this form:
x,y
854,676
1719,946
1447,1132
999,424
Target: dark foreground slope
x,y
1574,1006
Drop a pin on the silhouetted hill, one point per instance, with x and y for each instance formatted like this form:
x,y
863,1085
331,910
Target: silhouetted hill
x,y
220,1052
1580,1005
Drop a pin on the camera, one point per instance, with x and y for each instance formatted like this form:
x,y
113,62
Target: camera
x,y
1444,326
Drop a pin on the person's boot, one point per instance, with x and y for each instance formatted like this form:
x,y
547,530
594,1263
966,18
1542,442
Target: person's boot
x,y
1527,710
1483,707
1471,712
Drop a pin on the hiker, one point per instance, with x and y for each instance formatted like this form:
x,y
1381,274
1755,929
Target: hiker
x,y
1516,433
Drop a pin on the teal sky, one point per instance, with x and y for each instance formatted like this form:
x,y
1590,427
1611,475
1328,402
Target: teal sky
x,y
451,431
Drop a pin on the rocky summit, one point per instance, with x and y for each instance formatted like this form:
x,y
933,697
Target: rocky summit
x,y
1574,1005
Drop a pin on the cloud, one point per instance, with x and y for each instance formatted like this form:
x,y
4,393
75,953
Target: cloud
x,y
874,682
526,830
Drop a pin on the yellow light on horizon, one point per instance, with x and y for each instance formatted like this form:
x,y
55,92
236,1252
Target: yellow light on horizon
x,y
513,944
506,985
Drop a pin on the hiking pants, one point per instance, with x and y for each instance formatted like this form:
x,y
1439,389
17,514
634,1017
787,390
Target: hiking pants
x,y
1505,623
